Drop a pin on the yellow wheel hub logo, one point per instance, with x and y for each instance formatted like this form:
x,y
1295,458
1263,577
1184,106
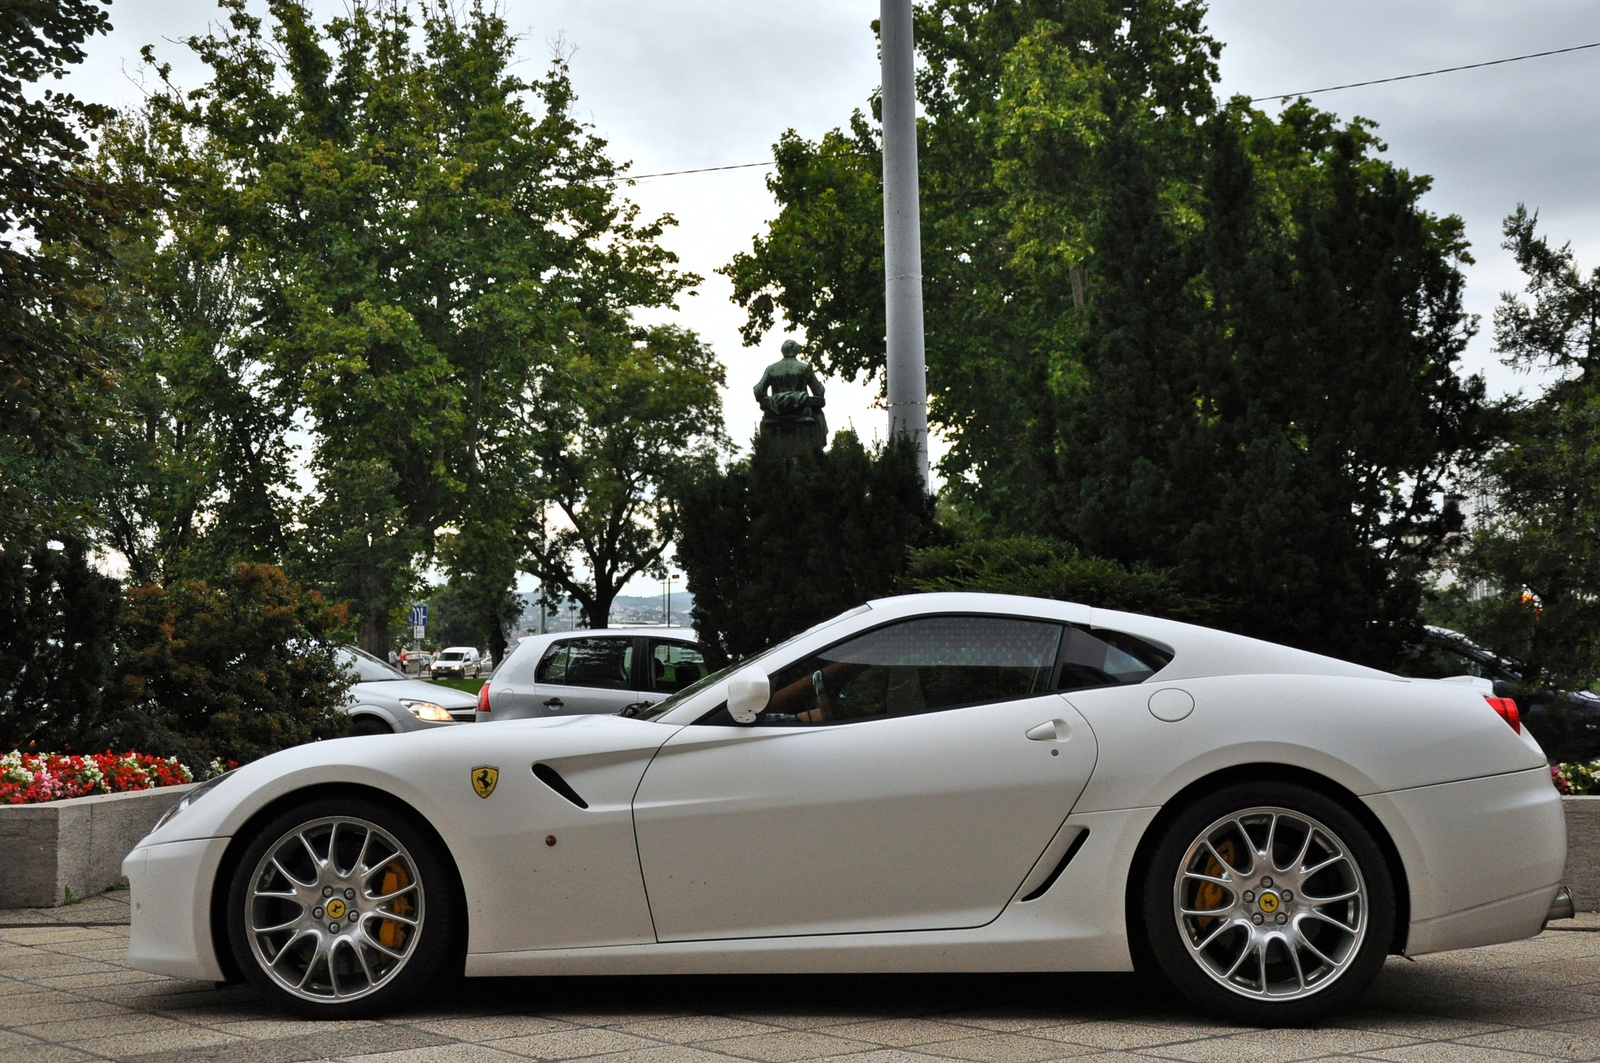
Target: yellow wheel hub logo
x,y
336,909
484,779
1268,902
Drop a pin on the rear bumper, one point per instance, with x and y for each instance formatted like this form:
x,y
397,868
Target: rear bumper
x,y
1483,857
170,902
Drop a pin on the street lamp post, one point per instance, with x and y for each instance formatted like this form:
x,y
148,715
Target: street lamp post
x,y
907,373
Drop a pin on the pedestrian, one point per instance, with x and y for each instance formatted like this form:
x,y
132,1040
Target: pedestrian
x,y
402,659
394,658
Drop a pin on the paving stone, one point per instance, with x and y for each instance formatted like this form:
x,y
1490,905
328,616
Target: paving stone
x,y
786,1047
684,1029
572,1043
1005,1048
460,1053
489,1027
334,1044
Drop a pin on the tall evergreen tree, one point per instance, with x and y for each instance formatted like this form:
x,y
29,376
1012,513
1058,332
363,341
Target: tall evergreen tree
x,y
1170,331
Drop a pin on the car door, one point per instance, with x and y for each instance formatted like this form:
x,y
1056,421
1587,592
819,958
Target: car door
x,y
907,778
586,675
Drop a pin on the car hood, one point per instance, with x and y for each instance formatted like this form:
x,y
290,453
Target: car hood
x,y
415,690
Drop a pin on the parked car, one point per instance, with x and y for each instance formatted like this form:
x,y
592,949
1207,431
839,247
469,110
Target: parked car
x,y
385,700
572,673
1566,722
457,662
929,783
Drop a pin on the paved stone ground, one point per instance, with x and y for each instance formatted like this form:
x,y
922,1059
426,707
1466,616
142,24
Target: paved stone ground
x,y
67,994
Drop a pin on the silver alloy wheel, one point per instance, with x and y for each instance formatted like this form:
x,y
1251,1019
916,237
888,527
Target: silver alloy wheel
x,y
1271,904
334,909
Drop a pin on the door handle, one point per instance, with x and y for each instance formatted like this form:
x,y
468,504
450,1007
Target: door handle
x,y
1050,731
553,703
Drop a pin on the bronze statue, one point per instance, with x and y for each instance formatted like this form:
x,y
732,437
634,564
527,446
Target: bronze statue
x,y
791,399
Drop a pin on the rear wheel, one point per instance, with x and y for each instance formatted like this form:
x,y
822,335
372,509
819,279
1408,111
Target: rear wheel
x,y
1269,903
342,908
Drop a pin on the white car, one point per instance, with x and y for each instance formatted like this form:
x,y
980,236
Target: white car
x,y
603,670
940,782
457,661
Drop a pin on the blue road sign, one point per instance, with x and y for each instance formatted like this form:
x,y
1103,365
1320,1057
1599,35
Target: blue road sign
x,y
419,616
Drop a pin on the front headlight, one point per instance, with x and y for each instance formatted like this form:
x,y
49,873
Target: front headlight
x,y
427,710
189,798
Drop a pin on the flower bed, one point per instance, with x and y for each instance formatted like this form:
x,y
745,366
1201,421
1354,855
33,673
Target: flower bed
x,y
33,778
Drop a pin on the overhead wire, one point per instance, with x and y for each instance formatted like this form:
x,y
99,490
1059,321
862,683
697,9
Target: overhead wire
x,y
1253,99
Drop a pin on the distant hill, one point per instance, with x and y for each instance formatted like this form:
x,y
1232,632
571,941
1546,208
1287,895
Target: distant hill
x,y
625,610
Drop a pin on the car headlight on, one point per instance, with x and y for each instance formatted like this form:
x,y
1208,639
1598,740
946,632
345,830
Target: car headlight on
x,y
189,798
427,710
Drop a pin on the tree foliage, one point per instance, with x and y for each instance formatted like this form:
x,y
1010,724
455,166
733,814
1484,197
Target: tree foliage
x,y
637,415
1536,549
779,542
49,377
59,623
1166,330
434,246
1046,568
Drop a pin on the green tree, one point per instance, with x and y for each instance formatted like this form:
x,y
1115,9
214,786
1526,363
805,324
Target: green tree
x,y
356,545
778,542
193,453
638,415
50,378
433,240
1167,331
1536,549
59,626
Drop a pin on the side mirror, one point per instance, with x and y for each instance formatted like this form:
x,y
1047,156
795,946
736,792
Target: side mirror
x,y
748,691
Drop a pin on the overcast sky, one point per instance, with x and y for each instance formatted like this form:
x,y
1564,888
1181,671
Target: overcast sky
x,y
690,83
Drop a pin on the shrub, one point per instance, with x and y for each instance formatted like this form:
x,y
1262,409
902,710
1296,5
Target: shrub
x,y
1046,568
232,671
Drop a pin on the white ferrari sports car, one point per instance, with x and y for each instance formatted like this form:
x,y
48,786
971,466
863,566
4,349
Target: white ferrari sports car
x,y
939,782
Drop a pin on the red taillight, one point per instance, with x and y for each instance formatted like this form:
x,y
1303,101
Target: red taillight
x,y
1507,710
483,699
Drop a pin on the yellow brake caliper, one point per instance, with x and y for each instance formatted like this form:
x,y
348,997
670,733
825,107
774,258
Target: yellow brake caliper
x,y
392,932
1210,895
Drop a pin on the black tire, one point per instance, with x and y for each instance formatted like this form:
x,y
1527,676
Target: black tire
x,y
354,980
370,725
1266,953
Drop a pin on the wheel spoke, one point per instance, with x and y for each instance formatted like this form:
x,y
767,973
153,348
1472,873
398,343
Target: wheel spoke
x,y
1222,928
1345,896
1272,834
285,873
316,861
1326,918
1329,862
385,898
1305,942
1294,955
1225,883
280,927
1218,857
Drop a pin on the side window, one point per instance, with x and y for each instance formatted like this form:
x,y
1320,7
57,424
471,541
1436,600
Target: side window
x,y
605,663
1101,658
673,666
923,665
553,665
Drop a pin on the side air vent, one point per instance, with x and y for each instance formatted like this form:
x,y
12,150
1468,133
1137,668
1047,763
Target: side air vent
x,y
552,778
1066,858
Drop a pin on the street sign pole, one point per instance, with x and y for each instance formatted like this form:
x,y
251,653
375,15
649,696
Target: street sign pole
x,y
907,372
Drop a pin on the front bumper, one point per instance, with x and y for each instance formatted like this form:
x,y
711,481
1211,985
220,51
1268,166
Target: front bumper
x,y
170,904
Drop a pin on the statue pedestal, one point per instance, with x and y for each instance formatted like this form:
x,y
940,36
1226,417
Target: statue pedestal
x,y
794,436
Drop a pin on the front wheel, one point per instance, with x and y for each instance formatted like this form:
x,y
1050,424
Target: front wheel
x,y
342,908
1269,903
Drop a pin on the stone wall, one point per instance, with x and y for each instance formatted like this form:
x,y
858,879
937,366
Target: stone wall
x,y
48,849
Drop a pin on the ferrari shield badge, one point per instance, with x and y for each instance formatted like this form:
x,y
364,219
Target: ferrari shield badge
x,y
483,780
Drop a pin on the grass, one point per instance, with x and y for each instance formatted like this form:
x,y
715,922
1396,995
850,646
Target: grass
x,y
469,685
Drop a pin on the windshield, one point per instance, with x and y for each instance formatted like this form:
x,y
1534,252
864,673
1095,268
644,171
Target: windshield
x,y
661,708
366,667
452,655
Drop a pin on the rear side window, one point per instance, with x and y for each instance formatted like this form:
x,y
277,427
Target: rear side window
x,y
1099,657
603,663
